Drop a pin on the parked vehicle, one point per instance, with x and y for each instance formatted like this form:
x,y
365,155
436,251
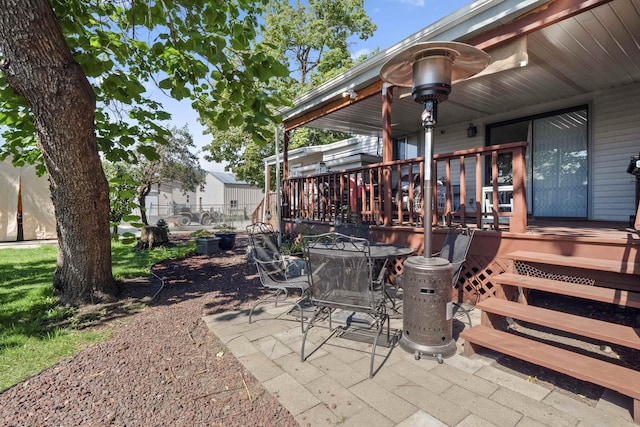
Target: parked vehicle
x,y
184,216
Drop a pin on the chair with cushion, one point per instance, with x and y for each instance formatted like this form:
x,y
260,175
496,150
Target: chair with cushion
x,y
278,273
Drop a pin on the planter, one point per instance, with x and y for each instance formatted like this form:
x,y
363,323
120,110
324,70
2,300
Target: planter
x,y
227,240
207,245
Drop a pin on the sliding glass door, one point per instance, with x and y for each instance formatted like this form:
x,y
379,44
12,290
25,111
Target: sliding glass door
x,y
557,161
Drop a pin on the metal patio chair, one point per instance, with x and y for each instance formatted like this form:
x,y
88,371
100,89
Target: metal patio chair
x,y
342,278
281,274
454,249
361,231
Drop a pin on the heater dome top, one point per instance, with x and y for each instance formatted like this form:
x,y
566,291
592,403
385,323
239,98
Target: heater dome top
x,y
466,61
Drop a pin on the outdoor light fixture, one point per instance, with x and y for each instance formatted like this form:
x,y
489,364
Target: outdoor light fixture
x,y
350,93
429,68
471,131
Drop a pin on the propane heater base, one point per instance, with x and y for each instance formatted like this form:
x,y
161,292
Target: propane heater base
x,y
437,351
427,308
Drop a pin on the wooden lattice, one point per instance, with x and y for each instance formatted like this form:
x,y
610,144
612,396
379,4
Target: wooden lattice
x,y
474,283
395,268
529,270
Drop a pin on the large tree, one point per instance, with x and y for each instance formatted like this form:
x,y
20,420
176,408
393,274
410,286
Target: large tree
x,y
313,40
197,50
315,35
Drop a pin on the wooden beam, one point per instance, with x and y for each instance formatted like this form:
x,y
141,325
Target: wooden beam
x,y
364,93
537,19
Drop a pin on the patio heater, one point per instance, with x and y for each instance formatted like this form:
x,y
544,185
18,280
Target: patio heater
x,y
428,68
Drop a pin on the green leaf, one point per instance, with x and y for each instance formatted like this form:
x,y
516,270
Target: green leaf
x,y
165,84
149,152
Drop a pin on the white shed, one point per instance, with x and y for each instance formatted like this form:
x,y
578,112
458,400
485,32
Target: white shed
x,y
222,192
25,195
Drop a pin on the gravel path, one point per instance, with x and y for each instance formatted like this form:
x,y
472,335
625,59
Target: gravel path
x,y
161,367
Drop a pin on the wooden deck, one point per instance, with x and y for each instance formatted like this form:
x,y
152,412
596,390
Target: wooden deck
x,y
584,229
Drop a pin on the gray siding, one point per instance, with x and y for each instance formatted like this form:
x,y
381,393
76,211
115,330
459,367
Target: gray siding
x,y
615,121
243,194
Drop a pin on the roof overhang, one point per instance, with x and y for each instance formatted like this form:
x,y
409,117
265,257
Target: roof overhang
x,y
570,48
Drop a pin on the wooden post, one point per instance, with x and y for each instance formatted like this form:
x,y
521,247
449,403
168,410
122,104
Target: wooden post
x,y
387,99
479,200
463,193
518,222
286,191
267,193
387,152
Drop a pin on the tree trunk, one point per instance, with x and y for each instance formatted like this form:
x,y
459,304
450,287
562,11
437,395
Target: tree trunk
x,y
37,64
142,201
151,236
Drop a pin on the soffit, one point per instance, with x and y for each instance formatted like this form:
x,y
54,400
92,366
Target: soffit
x,y
595,50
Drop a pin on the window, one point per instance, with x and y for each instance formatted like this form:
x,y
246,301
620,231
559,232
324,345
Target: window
x,y
404,149
234,204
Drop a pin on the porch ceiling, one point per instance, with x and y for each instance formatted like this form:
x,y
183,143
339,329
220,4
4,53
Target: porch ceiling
x,y
594,50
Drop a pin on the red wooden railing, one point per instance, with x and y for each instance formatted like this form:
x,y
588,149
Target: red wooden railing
x,y
390,194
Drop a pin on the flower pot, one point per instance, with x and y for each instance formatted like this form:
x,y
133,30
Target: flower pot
x,y
227,240
207,245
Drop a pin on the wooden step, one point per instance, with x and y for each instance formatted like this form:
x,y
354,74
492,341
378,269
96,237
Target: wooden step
x,y
578,325
614,377
595,293
615,266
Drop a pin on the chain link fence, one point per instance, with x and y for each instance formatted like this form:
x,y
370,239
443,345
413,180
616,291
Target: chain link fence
x,y
183,215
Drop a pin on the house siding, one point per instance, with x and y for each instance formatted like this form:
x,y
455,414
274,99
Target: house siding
x,y
213,188
245,196
357,145
38,217
218,194
616,137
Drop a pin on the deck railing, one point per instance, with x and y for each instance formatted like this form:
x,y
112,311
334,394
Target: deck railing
x,y
390,194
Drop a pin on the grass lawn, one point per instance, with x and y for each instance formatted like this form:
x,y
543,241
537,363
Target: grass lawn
x,y
31,335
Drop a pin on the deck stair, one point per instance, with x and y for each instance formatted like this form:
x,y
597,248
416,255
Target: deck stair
x,y
499,332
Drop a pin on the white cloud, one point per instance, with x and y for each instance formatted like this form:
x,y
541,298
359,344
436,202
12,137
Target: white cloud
x,y
418,3
357,54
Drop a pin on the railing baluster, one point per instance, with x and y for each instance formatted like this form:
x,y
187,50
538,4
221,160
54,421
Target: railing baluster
x,y
382,199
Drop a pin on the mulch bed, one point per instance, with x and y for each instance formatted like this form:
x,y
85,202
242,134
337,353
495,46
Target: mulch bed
x,y
162,367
